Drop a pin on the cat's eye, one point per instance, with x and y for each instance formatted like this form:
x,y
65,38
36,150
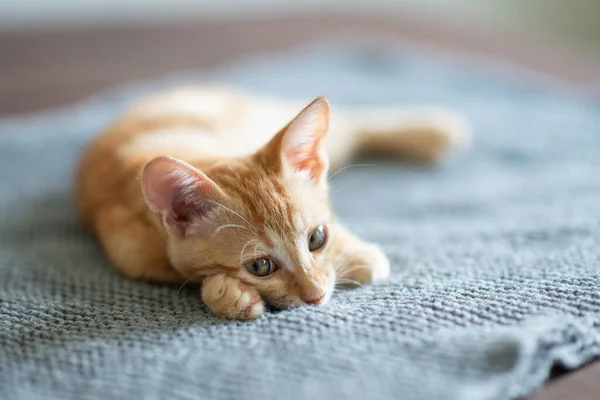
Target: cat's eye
x,y
261,267
317,238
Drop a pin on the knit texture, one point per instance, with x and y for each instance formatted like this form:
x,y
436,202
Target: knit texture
x,y
495,255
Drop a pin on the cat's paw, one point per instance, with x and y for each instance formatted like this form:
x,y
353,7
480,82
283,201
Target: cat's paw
x,y
370,265
229,297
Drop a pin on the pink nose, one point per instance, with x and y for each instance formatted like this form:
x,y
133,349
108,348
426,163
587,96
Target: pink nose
x,y
315,301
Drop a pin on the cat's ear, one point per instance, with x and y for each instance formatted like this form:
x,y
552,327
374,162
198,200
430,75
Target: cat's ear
x,y
180,194
300,145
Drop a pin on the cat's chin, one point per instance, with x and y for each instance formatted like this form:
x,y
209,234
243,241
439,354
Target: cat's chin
x,y
327,297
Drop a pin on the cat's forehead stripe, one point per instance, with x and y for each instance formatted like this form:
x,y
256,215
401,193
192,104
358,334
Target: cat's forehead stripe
x,y
273,211
278,248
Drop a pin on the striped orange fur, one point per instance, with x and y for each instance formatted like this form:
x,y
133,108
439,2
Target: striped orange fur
x,y
230,189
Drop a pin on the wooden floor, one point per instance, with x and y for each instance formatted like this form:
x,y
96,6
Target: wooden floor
x,y
51,68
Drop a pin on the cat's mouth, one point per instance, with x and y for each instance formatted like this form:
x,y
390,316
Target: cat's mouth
x,y
316,302
294,300
282,306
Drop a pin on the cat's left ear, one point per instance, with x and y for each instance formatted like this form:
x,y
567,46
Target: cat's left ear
x,y
181,195
301,143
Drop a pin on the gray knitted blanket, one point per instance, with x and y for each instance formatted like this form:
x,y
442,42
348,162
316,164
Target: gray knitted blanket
x,y
495,255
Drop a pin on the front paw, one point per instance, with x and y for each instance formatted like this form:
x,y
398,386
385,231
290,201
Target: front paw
x,y
229,297
369,265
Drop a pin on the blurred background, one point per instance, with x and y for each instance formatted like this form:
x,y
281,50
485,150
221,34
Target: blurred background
x,y
53,52
577,17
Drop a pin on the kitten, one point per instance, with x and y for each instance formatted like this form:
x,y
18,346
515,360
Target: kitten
x,y
231,189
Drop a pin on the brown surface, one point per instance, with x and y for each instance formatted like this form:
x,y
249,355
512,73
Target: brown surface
x,y
41,69
583,384
45,69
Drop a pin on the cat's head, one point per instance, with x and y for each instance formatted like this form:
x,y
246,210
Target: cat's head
x,y
264,219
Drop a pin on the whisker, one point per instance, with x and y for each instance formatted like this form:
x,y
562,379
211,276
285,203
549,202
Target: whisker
x,y
346,281
233,212
244,248
350,166
185,283
255,249
338,190
228,226
353,268
204,270
344,251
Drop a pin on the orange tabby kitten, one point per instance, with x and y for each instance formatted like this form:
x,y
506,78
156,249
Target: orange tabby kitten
x,y
217,185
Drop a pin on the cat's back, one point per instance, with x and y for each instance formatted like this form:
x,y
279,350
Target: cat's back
x,y
196,124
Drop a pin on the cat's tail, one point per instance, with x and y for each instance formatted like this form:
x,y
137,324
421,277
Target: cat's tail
x,y
415,134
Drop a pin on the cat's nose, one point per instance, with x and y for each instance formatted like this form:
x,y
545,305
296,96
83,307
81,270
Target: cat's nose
x,y
315,302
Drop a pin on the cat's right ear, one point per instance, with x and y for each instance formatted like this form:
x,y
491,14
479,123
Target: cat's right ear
x,y
180,194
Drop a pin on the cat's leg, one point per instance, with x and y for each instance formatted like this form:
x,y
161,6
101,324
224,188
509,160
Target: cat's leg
x,y
422,135
356,261
133,247
229,297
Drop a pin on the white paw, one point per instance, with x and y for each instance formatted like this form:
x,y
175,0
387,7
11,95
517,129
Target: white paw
x,y
229,297
380,265
369,266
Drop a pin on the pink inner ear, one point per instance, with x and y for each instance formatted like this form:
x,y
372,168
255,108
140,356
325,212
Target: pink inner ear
x,y
179,193
309,162
182,210
302,141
